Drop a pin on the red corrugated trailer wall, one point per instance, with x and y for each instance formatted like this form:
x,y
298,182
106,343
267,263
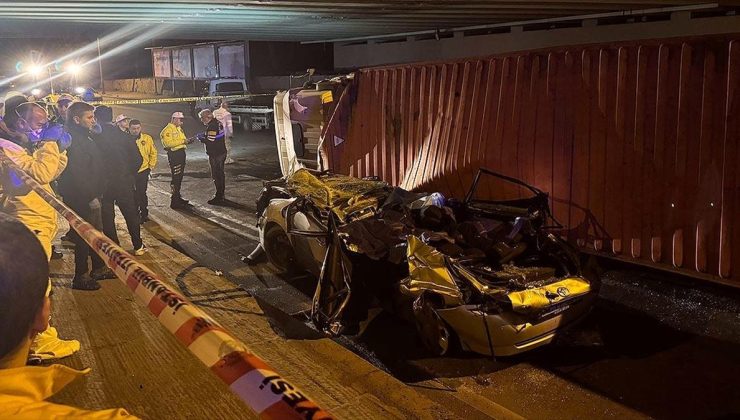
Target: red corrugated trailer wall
x,y
636,143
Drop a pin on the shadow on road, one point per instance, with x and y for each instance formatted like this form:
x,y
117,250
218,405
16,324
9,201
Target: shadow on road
x,y
639,362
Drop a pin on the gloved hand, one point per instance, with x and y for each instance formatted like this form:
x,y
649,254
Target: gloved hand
x,y
201,137
56,133
64,141
97,129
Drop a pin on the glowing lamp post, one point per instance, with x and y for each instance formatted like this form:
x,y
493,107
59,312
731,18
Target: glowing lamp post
x,y
74,70
36,70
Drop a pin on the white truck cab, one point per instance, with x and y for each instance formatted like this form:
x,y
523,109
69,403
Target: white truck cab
x,y
250,113
221,87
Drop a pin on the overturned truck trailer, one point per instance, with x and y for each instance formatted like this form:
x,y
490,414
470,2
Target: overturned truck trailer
x,y
636,143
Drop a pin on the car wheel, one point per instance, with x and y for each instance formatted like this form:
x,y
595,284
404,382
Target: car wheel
x,y
278,248
435,333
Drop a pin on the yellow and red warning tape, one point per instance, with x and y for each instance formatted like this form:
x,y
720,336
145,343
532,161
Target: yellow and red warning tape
x,y
174,100
147,101
266,392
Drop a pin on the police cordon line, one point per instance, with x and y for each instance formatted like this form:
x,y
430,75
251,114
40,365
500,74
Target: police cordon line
x,y
176,100
248,377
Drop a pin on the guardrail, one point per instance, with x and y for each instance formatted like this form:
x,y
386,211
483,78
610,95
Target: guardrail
x,y
262,389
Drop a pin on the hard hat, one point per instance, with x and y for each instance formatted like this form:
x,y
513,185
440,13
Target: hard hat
x,y
12,94
178,115
121,118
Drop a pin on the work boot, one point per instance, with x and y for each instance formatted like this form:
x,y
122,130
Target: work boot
x,y
143,219
47,345
84,282
67,237
102,273
178,203
217,201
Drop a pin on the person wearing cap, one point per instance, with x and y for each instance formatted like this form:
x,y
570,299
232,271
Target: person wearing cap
x,y
10,103
175,142
42,156
122,122
123,160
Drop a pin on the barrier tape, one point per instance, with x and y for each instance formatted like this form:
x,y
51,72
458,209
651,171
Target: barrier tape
x,y
249,377
175,100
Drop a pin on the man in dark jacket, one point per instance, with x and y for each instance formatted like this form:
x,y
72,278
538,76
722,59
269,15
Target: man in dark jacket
x,y
214,140
123,161
82,184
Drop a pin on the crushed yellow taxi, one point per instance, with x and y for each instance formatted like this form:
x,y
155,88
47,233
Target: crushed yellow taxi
x,y
488,275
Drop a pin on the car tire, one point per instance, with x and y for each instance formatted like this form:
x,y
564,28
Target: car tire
x,y
278,249
436,335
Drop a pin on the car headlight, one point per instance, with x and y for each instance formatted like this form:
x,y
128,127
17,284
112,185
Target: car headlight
x,y
80,90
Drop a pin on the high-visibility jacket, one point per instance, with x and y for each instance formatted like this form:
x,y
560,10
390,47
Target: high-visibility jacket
x,y
24,389
148,152
44,165
173,138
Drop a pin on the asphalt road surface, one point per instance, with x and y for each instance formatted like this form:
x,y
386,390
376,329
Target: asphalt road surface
x,y
654,345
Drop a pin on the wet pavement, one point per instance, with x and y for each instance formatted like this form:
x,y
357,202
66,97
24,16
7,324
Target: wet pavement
x,y
655,345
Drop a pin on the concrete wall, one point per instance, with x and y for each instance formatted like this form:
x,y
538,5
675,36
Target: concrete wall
x,y
374,53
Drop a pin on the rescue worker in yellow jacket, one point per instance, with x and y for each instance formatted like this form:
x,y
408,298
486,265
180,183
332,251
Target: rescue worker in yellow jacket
x,y
43,158
24,274
175,142
148,152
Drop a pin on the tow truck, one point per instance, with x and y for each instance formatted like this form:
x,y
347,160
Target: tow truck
x,y
251,113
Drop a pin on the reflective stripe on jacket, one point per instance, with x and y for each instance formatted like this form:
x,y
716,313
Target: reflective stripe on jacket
x,y
173,138
148,152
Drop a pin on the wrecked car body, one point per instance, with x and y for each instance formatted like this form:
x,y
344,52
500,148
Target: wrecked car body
x,y
488,276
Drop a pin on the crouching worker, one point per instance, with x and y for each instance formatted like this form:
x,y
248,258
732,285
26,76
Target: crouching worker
x,y
40,153
24,275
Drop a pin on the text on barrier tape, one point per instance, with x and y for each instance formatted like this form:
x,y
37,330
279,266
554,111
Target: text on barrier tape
x,y
174,100
249,377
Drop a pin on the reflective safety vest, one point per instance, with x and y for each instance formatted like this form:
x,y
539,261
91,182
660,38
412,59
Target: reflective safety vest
x,y
173,138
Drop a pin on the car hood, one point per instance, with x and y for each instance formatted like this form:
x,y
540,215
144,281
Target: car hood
x,y
432,271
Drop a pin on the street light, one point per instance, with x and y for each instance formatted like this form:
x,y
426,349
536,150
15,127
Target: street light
x,y
74,70
35,70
